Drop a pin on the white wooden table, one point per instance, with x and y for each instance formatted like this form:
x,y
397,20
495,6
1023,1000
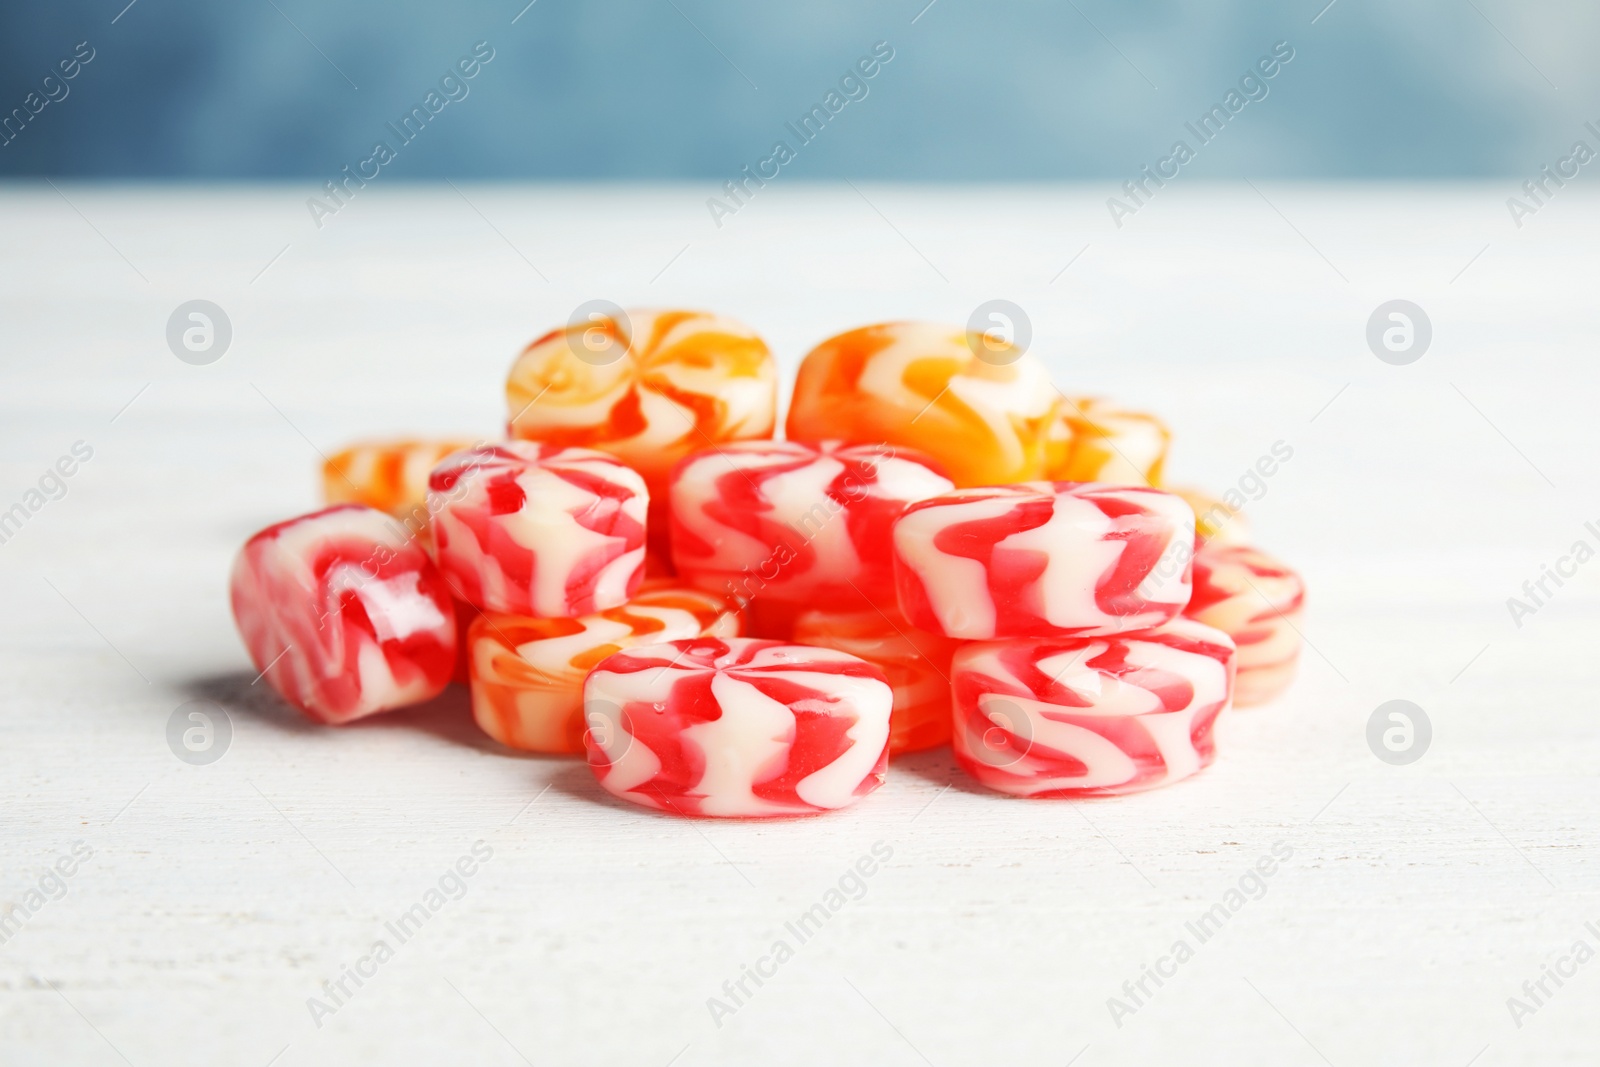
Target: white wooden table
x,y
219,898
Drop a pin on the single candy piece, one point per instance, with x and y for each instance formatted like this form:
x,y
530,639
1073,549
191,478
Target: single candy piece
x,y
1215,521
917,665
1091,716
924,386
648,387
1094,440
344,614
781,523
1043,559
531,529
738,727
391,476
527,673
1257,601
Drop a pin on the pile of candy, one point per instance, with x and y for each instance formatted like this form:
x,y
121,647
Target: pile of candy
x,y
946,549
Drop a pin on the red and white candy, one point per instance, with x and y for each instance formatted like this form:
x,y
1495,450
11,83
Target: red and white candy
x,y
1257,601
1043,559
1091,716
786,523
737,727
532,529
343,614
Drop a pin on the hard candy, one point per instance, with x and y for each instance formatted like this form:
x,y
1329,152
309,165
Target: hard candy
x,y
737,728
344,614
532,529
1091,716
1257,601
1094,440
1043,559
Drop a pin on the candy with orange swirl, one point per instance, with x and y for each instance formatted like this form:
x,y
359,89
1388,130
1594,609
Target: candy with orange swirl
x,y
916,663
781,523
1215,521
925,386
531,529
1257,601
1095,440
527,673
648,387
344,614
1091,716
391,476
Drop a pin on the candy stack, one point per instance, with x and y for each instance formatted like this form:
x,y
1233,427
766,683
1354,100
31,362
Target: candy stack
x,y
946,549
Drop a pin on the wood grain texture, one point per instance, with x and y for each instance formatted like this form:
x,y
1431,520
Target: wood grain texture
x,y
219,898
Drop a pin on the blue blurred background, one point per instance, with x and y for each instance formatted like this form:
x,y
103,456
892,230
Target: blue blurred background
x,y
667,89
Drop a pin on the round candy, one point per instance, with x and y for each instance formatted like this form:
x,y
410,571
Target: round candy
x,y
530,529
1091,716
391,476
1043,559
527,673
781,523
1257,601
1096,441
738,727
648,387
917,665
923,386
343,614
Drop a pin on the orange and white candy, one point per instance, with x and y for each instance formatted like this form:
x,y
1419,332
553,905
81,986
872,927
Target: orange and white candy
x,y
527,674
1216,522
391,476
648,387
925,386
1094,440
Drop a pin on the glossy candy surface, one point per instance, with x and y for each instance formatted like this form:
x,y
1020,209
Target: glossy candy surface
x,y
917,665
1094,440
345,615
922,386
737,728
391,476
531,529
781,523
1043,559
527,673
648,387
1091,716
1257,601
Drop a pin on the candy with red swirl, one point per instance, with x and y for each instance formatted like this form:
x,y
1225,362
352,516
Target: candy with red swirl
x,y
647,386
344,614
1257,601
1043,559
981,408
783,523
741,728
916,663
527,674
1091,716
532,529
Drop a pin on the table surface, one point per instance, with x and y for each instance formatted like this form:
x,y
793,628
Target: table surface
x,y
208,905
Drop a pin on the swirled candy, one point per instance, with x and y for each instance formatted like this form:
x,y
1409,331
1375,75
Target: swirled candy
x,y
527,673
737,728
532,529
1094,440
786,524
1215,521
1257,601
391,476
917,665
1091,716
344,614
648,387
924,386
1043,559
